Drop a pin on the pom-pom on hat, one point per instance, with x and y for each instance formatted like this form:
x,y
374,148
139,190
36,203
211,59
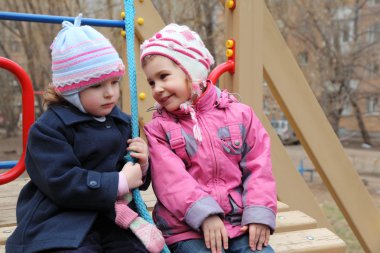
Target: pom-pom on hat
x,y
81,57
182,46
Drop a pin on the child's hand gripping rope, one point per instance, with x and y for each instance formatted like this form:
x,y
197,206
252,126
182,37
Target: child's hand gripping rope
x,y
126,218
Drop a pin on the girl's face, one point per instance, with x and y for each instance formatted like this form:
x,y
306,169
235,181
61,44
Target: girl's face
x,y
170,85
100,99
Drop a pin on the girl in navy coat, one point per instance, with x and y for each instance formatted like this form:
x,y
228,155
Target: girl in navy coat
x,y
75,199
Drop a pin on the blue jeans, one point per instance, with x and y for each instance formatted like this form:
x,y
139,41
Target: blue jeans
x,y
236,245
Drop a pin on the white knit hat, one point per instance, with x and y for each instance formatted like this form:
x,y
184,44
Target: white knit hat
x,y
182,46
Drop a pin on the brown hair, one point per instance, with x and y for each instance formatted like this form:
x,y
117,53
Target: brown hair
x,y
147,59
52,97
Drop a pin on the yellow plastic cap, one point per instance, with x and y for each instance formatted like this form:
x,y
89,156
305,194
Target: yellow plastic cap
x,y
142,96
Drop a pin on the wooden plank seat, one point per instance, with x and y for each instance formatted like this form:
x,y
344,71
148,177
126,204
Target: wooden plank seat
x,y
294,220
5,232
296,231
316,240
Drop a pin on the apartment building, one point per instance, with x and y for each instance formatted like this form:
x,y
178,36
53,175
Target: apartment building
x,y
336,44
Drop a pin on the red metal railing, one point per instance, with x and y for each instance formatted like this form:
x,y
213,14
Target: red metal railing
x,y
220,69
27,115
228,66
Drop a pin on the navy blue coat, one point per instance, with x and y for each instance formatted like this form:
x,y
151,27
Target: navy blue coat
x,y
73,162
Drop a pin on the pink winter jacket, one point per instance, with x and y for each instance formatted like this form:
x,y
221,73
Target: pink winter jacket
x,y
229,173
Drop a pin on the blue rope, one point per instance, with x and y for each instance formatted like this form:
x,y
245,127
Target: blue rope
x,y
130,29
130,40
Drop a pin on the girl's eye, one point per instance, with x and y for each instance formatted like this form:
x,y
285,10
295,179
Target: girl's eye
x,y
115,82
95,86
163,76
151,83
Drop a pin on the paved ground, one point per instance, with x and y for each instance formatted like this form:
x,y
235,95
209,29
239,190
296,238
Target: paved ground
x,y
365,161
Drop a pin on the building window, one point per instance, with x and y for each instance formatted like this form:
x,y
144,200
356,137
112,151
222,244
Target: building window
x,y
303,58
347,109
372,105
345,34
373,2
373,34
373,69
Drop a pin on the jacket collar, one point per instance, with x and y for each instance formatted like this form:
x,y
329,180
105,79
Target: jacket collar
x,y
207,100
71,115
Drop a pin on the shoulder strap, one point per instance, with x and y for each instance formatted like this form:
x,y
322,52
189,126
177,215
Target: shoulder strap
x,y
178,144
177,141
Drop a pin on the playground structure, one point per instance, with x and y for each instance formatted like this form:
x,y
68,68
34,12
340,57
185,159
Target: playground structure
x,y
261,53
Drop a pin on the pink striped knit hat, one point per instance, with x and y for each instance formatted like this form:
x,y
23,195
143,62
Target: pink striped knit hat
x,y
81,57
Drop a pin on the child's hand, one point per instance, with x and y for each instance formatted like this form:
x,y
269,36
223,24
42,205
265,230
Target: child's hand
x,y
258,235
133,174
139,150
215,234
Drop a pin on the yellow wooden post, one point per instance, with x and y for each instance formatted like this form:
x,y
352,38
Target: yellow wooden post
x,y
244,24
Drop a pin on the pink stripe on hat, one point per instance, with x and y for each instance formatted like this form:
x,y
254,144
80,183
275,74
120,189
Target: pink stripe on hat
x,y
87,74
79,55
76,86
62,51
80,61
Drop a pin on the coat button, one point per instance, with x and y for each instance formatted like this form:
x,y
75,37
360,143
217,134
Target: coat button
x,y
93,183
237,143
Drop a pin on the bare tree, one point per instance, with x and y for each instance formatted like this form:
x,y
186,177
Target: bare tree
x,y
204,17
333,37
28,44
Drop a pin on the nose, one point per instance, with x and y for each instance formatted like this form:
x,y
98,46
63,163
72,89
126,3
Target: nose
x,y
109,91
158,87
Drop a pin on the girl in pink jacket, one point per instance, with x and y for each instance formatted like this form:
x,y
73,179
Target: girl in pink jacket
x,y
210,155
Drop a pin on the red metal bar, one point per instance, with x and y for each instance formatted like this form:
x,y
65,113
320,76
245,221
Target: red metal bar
x,y
27,115
220,69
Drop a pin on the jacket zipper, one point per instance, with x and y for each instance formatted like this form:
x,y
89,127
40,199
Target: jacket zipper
x,y
215,174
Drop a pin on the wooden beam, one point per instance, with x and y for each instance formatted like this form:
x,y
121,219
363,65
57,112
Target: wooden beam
x,y
291,187
152,20
244,24
301,108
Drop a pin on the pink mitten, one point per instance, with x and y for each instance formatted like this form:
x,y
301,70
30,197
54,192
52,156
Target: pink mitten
x,y
124,214
147,233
